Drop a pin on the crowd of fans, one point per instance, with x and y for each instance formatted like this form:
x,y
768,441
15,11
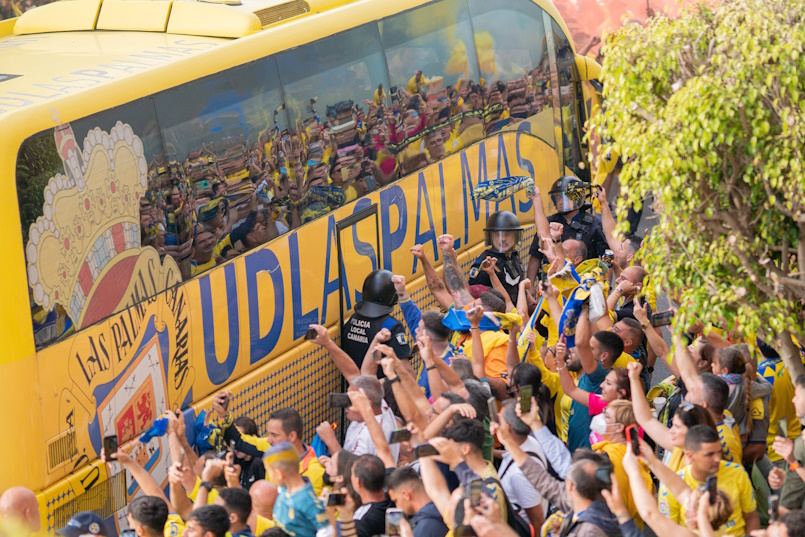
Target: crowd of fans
x,y
498,432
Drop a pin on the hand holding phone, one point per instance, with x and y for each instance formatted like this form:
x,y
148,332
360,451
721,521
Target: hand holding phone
x,y
493,409
474,491
525,398
400,435
110,445
712,487
339,400
632,438
425,450
394,516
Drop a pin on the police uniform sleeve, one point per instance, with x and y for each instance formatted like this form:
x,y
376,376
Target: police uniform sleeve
x,y
478,276
399,342
599,240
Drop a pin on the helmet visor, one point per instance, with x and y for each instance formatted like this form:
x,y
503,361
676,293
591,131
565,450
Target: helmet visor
x,y
503,241
566,202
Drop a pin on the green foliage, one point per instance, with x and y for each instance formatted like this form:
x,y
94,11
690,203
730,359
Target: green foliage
x,y
38,161
711,106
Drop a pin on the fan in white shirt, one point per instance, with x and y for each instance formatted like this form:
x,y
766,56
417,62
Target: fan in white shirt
x,y
358,440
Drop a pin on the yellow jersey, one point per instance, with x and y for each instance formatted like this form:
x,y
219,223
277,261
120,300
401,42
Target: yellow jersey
x,y
263,524
210,496
732,479
309,465
565,405
623,361
780,402
175,526
731,447
616,453
554,384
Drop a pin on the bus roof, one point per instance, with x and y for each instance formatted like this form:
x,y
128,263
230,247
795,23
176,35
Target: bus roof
x,y
65,75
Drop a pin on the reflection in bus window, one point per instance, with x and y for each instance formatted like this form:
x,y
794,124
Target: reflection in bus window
x,y
566,67
218,135
335,95
67,291
438,99
512,52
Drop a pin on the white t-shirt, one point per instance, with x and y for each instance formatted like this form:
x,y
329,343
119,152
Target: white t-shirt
x,y
518,488
359,441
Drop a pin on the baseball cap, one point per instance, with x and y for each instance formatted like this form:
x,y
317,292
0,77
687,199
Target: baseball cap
x,y
86,523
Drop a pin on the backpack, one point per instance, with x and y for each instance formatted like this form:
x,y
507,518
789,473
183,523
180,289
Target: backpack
x,y
515,521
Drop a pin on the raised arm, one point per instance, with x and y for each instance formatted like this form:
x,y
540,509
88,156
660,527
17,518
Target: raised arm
x,y
453,275
655,339
642,413
668,477
474,316
181,503
588,361
341,359
488,265
140,475
608,222
568,385
362,405
687,366
369,366
406,399
540,220
435,484
434,281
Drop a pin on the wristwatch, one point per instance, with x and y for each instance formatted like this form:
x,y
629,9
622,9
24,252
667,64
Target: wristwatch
x,y
794,466
395,379
207,485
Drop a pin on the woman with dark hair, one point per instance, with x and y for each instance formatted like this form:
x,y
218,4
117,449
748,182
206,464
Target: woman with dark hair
x,y
672,439
526,374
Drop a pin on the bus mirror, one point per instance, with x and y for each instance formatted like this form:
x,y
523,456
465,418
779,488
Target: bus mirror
x,y
588,68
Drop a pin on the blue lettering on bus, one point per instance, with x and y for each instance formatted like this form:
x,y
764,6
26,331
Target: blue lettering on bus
x,y
392,240
468,186
430,234
525,164
332,286
217,371
264,261
301,320
502,158
457,242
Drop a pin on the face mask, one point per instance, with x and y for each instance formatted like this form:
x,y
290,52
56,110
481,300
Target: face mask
x,y
599,425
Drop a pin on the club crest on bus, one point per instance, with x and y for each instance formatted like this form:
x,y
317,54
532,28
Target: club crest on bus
x,y
85,249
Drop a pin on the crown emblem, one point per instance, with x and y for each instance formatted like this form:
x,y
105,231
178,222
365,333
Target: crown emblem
x,y
89,228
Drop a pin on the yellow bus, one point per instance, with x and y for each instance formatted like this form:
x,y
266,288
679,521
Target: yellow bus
x,y
189,185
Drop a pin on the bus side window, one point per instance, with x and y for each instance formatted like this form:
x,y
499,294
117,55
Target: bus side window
x,y
335,92
220,134
439,104
512,51
566,67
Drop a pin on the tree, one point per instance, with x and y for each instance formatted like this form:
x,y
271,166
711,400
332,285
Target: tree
x,y
709,113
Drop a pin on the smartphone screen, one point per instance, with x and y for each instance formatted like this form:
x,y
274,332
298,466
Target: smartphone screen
x,y
774,507
425,450
336,498
525,398
393,518
663,318
782,429
110,445
493,409
400,435
474,490
712,488
339,400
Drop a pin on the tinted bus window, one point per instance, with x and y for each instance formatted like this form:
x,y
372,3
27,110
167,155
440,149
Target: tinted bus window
x,y
438,102
513,55
81,192
566,67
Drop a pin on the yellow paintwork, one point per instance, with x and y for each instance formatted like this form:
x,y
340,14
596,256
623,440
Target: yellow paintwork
x,y
137,15
70,16
66,76
589,69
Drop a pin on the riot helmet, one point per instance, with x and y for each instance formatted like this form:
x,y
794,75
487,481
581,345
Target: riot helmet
x,y
378,295
503,232
569,193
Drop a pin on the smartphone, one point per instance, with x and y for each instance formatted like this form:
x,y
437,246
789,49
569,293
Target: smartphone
x,y
545,278
662,318
774,507
339,400
336,498
232,446
474,491
110,445
425,450
631,436
525,398
464,531
493,409
311,334
394,516
782,428
712,487
400,435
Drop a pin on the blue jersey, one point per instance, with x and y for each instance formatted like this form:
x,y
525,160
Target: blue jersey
x,y
301,513
578,430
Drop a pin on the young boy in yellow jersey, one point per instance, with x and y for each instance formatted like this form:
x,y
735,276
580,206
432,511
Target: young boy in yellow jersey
x,y
703,453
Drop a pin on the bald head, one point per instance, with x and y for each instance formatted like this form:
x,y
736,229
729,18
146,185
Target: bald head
x,y
263,494
576,251
20,504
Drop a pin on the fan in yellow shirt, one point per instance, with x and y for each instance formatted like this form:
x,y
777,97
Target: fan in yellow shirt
x,y
703,450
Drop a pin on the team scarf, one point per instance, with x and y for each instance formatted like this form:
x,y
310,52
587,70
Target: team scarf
x,y
733,378
572,309
542,325
503,188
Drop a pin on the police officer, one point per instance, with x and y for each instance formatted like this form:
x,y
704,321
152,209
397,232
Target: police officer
x,y
569,195
502,233
372,314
